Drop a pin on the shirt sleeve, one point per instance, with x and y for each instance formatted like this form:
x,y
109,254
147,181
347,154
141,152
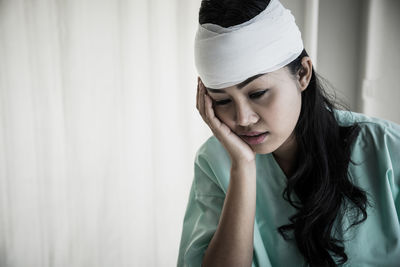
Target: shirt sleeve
x,y
202,214
392,142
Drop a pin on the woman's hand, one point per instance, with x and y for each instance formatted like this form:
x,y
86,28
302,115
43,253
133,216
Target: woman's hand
x,y
238,150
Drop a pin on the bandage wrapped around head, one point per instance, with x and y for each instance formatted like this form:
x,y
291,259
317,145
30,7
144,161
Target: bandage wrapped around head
x,y
227,56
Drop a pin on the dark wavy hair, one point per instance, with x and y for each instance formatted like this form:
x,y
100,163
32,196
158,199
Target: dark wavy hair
x,y
320,181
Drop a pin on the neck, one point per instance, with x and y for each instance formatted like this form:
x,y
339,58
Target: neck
x,y
286,155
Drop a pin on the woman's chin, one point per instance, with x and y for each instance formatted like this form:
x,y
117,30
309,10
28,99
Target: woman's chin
x,y
262,149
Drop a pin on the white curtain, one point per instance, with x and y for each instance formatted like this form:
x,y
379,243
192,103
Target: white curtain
x,y
98,125
98,130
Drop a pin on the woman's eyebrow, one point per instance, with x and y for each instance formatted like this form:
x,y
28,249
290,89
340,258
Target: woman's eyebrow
x,y
239,86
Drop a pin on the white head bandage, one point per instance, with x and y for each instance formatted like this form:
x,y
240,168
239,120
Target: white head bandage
x,y
228,56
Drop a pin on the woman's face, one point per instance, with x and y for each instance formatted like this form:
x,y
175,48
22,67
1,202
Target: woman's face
x,y
270,103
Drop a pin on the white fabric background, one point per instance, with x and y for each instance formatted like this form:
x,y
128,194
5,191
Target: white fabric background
x,y
97,117
98,127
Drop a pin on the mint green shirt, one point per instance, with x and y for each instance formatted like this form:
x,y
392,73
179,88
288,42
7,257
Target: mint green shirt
x,y
375,242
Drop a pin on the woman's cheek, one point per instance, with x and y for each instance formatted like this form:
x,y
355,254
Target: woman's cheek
x,y
221,115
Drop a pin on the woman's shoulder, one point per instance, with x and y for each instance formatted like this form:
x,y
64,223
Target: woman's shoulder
x,y
212,151
374,126
377,137
212,163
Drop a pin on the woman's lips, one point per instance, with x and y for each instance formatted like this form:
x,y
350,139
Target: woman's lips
x,y
255,140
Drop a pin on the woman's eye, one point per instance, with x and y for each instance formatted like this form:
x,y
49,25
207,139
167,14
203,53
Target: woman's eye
x,y
226,101
222,102
258,94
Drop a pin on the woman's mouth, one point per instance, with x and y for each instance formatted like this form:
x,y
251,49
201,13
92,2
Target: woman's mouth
x,y
256,139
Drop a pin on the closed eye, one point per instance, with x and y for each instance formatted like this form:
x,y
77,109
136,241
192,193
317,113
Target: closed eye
x,y
253,96
258,94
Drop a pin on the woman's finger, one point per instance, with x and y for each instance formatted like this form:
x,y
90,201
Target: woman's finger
x,y
212,119
197,96
207,112
201,102
206,109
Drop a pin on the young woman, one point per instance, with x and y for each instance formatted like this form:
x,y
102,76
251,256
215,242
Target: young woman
x,y
287,179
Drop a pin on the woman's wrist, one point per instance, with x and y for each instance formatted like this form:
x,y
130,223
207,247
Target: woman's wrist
x,y
243,164
245,168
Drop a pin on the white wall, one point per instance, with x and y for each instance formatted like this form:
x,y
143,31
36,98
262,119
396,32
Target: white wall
x,y
339,47
381,87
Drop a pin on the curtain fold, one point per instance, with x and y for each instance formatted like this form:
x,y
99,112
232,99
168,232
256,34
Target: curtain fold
x,y
97,130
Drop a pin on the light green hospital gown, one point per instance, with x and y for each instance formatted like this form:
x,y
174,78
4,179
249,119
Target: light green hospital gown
x,y
375,242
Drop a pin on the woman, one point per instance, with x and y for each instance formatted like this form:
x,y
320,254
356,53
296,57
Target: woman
x,y
287,179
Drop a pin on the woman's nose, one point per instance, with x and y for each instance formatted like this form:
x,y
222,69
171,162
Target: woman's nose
x,y
245,115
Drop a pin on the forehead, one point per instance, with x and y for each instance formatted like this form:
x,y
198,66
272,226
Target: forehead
x,y
239,85
256,79
279,75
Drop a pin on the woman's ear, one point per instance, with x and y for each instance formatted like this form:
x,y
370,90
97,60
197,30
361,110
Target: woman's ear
x,y
304,74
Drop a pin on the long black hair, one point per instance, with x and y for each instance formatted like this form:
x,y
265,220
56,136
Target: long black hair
x,y
320,181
